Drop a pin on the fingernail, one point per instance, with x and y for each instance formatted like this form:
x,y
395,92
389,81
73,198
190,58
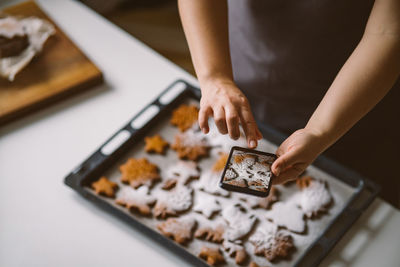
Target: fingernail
x,y
253,144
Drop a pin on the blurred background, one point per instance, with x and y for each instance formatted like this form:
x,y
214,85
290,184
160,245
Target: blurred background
x,y
154,22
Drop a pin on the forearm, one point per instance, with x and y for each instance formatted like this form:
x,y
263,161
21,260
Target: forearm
x,y
366,77
205,24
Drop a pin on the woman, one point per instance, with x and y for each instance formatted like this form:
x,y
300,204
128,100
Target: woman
x,y
310,68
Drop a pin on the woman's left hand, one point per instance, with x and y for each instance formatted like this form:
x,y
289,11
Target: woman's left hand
x,y
295,154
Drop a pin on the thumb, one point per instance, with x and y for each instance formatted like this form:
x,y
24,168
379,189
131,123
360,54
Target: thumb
x,y
284,161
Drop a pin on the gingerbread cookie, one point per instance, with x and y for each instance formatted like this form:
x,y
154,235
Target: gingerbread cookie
x,y
239,220
263,202
213,256
105,187
136,199
235,249
219,165
211,232
314,196
180,229
173,202
182,172
155,144
137,172
287,215
270,242
184,116
207,205
191,145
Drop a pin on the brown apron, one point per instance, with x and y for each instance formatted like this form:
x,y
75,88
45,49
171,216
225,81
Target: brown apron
x,y
285,55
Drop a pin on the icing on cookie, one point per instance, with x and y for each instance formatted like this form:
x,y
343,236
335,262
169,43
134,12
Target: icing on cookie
x,y
240,222
138,199
207,205
183,171
191,145
287,215
270,242
313,198
209,182
180,229
172,202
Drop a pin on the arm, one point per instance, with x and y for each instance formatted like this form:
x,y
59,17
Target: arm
x,y
205,24
363,81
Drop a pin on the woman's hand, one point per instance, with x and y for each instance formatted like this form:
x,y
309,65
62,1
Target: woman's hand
x,y
224,101
295,154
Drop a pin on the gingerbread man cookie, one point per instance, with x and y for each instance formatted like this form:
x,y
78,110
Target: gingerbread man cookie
x,y
155,144
105,187
184,116
136,199
180,229
137,172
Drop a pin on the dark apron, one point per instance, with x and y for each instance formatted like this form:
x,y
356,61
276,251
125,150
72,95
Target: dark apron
x,y
286,54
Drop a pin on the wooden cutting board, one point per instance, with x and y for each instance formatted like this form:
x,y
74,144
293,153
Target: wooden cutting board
x,y
60,70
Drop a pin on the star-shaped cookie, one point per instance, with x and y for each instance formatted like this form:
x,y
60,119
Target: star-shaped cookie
x,y
155,144
105,187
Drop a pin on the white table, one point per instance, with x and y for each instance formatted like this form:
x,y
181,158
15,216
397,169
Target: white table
x,y
45,223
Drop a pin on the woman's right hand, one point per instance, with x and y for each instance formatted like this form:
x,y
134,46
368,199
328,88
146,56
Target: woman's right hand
x,y
224,101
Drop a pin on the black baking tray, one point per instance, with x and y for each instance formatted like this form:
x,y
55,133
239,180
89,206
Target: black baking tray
x,y
125,138
246,190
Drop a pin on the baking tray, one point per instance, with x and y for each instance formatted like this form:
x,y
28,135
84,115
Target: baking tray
x,y
351,192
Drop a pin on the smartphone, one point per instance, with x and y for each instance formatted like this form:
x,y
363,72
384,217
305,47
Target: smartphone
x,y
248,171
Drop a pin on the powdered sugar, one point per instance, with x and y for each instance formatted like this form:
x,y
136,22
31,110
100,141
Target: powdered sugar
x,y
183,171
287,215
239,220
209,182
207,205
313,198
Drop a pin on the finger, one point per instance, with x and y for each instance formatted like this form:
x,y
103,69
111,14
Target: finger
x,y
249,127
204,113
219,117
284,161
232,121
288,175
